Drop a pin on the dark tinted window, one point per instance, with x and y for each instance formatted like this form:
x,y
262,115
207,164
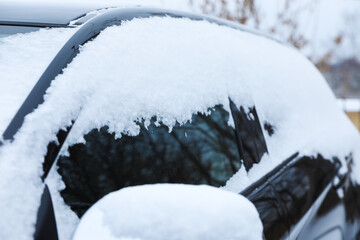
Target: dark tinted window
x,y
201,152
300,185
285,197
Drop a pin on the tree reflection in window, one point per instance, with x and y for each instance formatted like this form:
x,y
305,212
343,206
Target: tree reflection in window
x,y
201,152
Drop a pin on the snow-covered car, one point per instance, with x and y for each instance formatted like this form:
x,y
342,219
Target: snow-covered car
x,y
95,101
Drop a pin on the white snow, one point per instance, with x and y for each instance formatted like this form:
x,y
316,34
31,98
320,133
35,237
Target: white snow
x,y
171,69
66,219
23,58
350,104
171,211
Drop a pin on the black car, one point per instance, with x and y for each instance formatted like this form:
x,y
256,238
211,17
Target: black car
x,y
140,95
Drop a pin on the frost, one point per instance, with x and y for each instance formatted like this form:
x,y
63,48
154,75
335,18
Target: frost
x,y
171,211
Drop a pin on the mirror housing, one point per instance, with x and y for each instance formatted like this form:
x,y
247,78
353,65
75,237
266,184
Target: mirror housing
x,y
171,211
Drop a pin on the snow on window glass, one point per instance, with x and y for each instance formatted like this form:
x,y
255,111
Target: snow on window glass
x,y
170,69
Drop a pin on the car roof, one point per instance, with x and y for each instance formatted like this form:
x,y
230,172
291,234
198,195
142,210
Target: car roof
x,y
41,15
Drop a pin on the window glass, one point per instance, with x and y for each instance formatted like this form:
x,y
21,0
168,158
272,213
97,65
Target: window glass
x,y
299,186
201,152
283,199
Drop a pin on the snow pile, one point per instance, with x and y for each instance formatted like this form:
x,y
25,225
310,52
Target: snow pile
x,y
171,69
23,59
350,104
171,211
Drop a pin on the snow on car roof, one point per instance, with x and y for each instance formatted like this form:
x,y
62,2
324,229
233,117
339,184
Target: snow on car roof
x,y
23,59
172,68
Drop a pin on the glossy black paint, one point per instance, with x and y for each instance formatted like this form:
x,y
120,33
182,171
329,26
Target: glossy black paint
x,y
53,151
299,200
249,135
255,187
46,224
338,214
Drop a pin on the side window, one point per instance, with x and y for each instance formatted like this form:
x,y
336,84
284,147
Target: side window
x,y
201,152
284,196
299,186
271,211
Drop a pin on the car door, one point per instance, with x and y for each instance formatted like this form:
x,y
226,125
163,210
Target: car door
x,y
306,198
119,93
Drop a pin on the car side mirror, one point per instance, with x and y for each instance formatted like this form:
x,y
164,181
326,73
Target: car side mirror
x,y
171,211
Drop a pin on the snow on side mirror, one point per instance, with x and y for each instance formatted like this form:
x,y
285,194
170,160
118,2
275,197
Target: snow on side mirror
x,y
171,211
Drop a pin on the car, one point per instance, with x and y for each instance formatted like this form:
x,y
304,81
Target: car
x,y
96,101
